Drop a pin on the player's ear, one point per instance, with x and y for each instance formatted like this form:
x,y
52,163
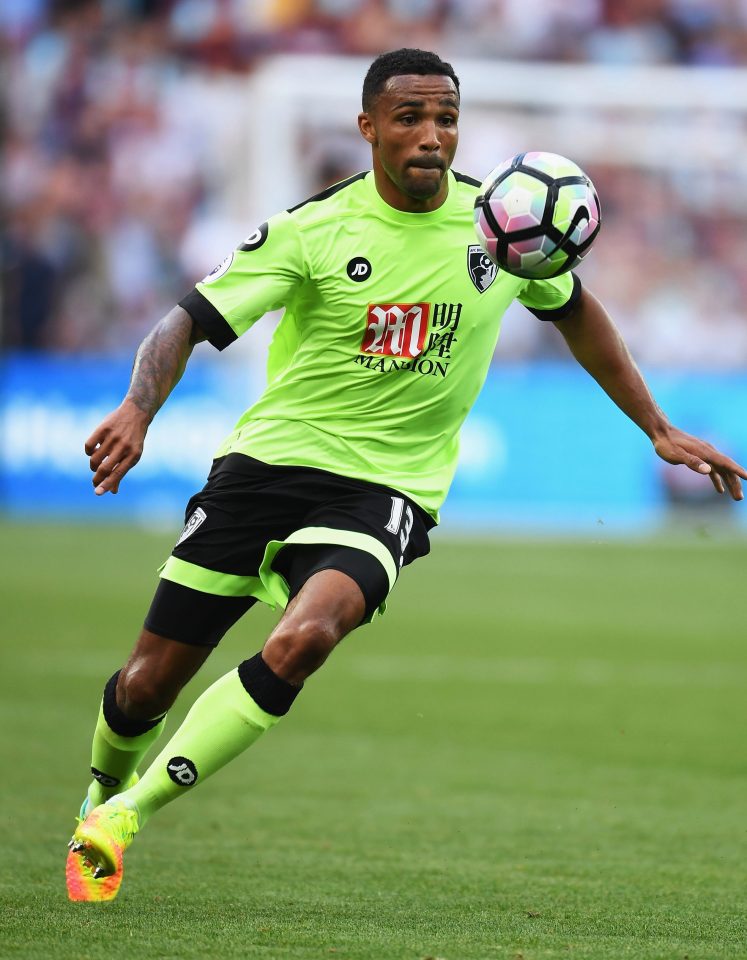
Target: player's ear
x,y
367,129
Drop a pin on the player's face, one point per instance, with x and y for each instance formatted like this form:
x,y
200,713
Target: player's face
x,y
412,129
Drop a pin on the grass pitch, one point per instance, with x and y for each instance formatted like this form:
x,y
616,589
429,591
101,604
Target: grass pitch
x,y
538,753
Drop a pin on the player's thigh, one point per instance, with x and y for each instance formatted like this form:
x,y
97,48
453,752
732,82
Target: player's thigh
x,y
328,606
194,618
329,601
360,529
350,599
332,590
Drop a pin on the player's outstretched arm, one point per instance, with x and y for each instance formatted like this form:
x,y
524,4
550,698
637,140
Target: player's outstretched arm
x,y
116,445
596,343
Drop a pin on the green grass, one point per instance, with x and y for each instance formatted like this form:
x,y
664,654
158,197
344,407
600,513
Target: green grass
x,y
538,753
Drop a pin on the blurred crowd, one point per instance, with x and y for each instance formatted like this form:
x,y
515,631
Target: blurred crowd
x,y
117,145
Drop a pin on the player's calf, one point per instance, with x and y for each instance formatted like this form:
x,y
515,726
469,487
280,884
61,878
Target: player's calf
x,y
155,673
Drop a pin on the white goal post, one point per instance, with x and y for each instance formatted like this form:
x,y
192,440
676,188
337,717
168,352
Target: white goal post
x,y
663,118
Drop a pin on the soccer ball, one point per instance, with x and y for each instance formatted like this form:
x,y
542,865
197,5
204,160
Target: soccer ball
x,y
537,215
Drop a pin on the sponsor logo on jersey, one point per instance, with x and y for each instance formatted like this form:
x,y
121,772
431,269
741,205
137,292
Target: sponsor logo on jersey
x,y
358,269
217,272
419,337
255,240
482,270
422,365
396,329
197,518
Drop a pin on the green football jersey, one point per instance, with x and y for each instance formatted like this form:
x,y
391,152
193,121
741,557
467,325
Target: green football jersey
x,y
390,323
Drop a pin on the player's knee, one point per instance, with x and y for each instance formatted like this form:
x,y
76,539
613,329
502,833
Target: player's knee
x,y
141,696
297,649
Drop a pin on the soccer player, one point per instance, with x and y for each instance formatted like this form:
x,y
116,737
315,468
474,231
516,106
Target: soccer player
x,y
329,484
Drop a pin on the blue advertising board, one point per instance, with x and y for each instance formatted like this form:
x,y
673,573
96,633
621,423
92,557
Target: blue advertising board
x,y
544,449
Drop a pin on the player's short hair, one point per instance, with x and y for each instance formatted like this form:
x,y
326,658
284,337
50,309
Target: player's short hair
x,y
396,63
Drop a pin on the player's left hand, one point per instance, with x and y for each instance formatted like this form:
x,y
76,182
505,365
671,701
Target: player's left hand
x,y
676,446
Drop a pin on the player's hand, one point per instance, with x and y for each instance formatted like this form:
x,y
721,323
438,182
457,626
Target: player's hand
x,y
116,445
678,447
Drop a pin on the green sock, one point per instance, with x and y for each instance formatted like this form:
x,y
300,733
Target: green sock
x,y
115,758
222,723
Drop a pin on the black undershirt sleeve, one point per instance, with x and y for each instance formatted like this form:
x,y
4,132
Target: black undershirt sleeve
x,y
559,313
208,319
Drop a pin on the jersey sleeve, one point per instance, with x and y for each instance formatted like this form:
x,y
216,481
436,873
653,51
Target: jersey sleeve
x,y
551,299
261,275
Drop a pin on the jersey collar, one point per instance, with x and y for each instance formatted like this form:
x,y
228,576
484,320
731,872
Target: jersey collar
x,y
386,212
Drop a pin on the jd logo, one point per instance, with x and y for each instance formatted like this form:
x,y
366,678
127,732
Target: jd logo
x,y
359,269
182,771
255,240
104,779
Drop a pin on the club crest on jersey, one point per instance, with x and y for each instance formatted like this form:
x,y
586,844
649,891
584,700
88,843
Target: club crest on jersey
x,y
396,329
481,268
197,518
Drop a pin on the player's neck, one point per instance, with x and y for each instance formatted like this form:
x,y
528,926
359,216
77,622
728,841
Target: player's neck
x,y
396,198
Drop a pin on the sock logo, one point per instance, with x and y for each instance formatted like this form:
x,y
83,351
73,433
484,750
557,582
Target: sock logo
x,y
104,779
182,771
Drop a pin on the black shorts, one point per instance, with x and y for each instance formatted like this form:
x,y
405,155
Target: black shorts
x,y
258,532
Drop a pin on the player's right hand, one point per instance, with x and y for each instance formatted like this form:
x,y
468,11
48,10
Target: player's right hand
x,y
116,445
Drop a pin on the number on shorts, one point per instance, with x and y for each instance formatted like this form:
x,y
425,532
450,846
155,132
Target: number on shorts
x,y
395,524
395,518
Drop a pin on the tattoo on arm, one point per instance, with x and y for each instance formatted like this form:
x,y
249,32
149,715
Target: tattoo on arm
x,y
161,359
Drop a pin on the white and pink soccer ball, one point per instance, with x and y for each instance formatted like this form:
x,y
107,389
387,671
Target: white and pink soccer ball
x,y
537,215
